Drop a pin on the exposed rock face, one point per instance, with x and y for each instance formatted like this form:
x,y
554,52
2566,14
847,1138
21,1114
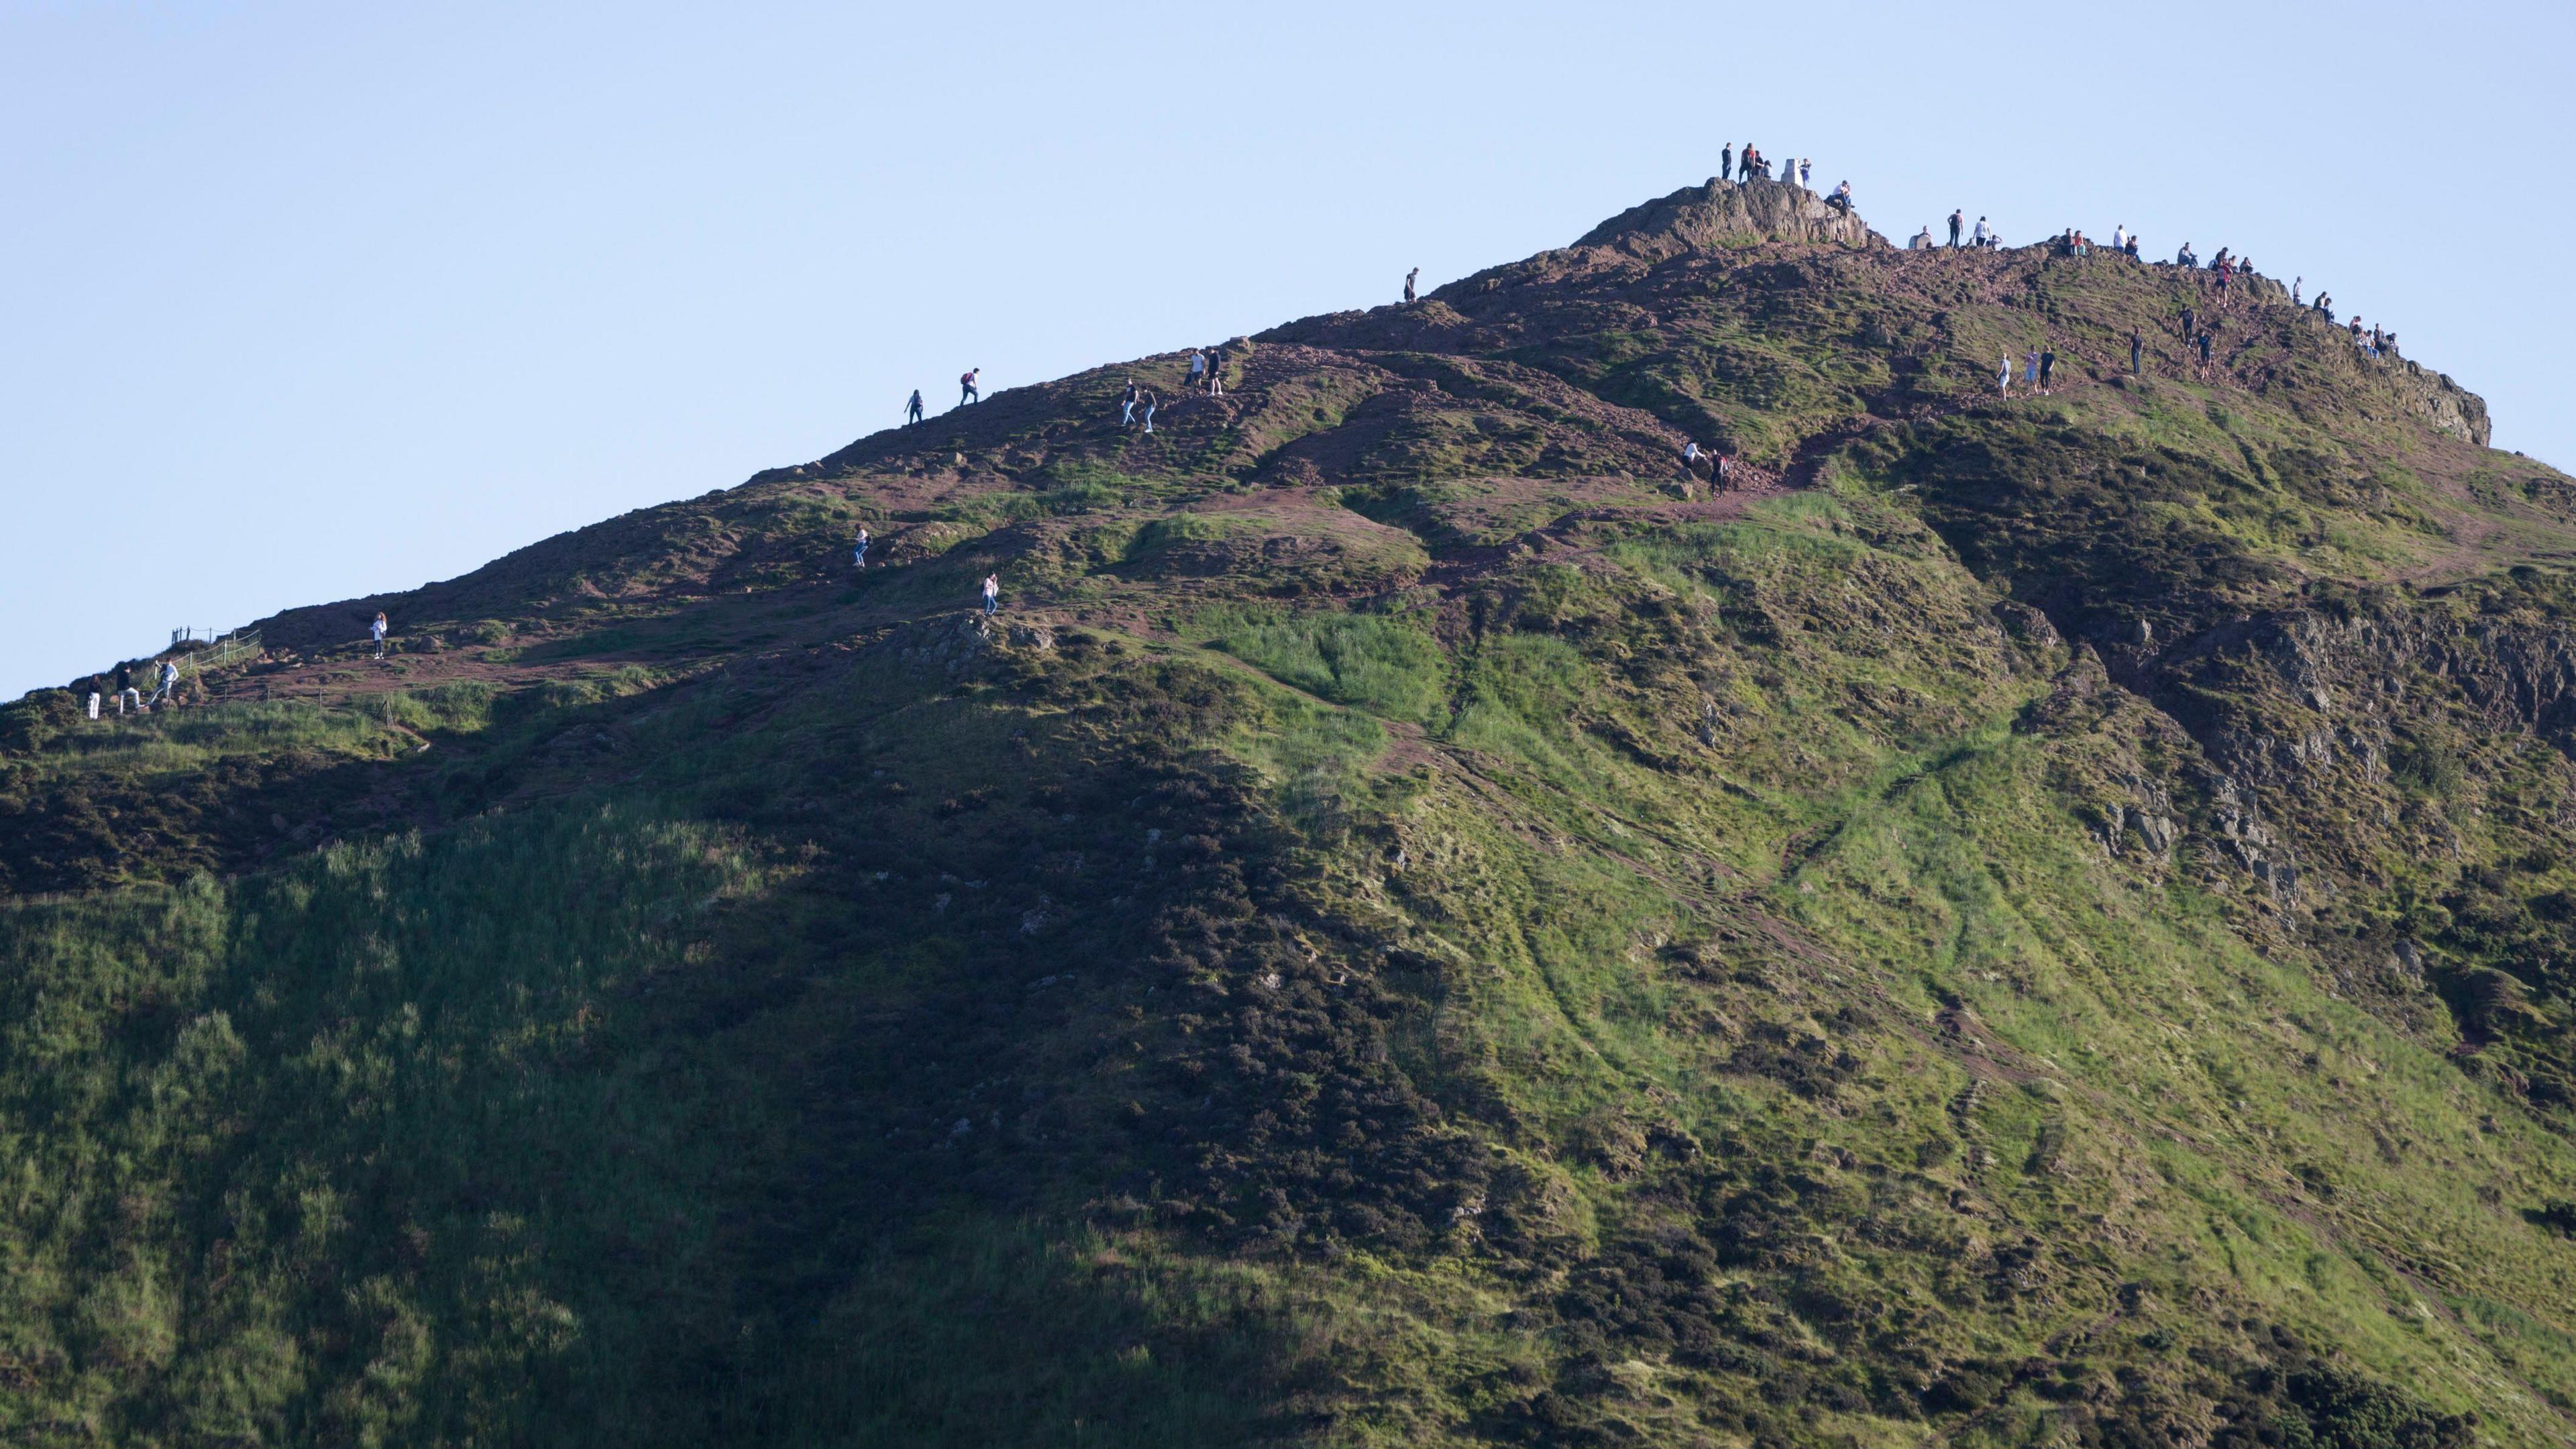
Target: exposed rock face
x,y
2449,407
1729,214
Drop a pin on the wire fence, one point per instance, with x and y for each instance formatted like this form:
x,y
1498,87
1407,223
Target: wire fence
x,y
221,648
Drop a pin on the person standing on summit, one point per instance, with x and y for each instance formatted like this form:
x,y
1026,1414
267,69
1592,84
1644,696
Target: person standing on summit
x,y
1198,360
966,392
1408,285
1956,218
912,410
1726,164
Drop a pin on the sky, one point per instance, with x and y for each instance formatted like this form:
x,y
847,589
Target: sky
x,y
300,302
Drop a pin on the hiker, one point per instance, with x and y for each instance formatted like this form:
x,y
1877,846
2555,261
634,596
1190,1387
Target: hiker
x,y
2325,307
1127,406
1806,173
1216,373
2003,379
2204,352
1690,457
859,550
1408,285
2294,291
1922,240
1982,233
378,630
2030,369
2186,257
992,595
1148,401
169,691
2187,329
1955,218
2133,246
2137,349
130,696
1841,200
1725,470
1726,163
1198,359
2047,370
912,409
966,390
2120,237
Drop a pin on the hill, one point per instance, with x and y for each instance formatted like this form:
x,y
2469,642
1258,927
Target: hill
x,y
1424,920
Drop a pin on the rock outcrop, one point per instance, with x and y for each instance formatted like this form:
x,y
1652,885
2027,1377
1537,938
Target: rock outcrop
x,y
1729,214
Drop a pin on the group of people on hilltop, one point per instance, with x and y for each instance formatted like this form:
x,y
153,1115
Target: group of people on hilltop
x,y
1752,164
1985,238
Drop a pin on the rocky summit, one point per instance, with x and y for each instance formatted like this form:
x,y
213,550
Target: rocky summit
x,y
1431,915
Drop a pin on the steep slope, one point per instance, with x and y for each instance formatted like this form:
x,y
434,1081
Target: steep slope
x,y
1424,921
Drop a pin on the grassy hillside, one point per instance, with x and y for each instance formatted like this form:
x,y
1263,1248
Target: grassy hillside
x,y
1423,922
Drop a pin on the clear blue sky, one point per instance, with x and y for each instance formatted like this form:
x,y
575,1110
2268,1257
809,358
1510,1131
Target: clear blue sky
x,y
304,301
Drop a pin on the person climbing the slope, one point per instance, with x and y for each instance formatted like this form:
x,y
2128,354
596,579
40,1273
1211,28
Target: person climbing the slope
x,y
2003,378
1148,401
2047,370
2188,323
859,549
2137,351
2204,354
1690,457
1127,406
912,409
169,692
992,595
966,390
1408,285
377,629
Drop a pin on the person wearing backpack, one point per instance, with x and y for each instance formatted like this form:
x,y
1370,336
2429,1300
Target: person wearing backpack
x,y
966,392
